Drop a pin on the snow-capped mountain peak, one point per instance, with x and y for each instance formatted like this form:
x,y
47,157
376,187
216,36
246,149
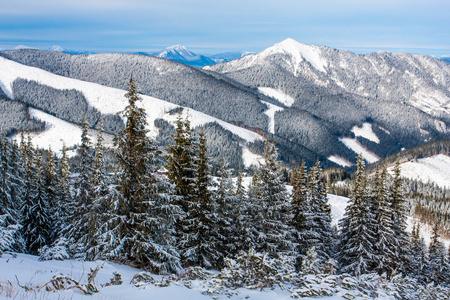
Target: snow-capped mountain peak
x,y
178,51
299,52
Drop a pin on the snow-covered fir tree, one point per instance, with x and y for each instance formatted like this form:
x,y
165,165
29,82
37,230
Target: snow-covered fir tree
x,y
129,231
418,255
36,220
301,220
399,216
180,159
80,234
384,260
269,206
437,262
197,242
356,249
320,235
10,238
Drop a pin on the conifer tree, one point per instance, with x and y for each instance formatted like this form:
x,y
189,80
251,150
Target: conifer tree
x,y
356,249
130,232
269,206
10,239
418,255
300,212
197,242
180,159
437,259
50,186
321,234
384,260
80,233
225,218
399,215
36,221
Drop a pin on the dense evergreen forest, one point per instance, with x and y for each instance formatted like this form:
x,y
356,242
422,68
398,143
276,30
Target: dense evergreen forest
x,y
164,220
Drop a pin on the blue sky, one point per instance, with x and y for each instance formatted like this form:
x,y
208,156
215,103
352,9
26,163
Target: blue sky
x,y
213,26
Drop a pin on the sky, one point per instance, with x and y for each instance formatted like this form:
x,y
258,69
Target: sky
x,y
215,26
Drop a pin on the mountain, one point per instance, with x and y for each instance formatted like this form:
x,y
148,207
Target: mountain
x,y
181,54
313,102
402,99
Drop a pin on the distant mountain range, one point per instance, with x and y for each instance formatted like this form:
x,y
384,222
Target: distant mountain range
x,y
313,102
181,54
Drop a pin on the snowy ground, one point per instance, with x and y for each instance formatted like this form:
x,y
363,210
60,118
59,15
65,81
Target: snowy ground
x,y
434,169
29,272
355,146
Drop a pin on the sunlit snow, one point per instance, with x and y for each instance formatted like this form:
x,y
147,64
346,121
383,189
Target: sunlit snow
x,y
366,132
356,147
434,169
271,114
280,96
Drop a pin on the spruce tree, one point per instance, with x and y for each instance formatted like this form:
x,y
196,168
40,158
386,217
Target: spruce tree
x,y
321,235
180,159
80,232
36,220
356,249
198,242
301,214
399,215
269,206
10,239
384,260
132,231
437,259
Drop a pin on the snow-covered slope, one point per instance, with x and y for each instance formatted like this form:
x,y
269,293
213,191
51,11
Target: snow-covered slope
x,y
106,99
356,147
280,96
296,53
434,169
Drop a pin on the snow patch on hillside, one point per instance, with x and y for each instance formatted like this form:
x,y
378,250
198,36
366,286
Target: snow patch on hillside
x,y
366,132
110,100
340,160
271,114
356,147
434,169
280,96
250,158
58,133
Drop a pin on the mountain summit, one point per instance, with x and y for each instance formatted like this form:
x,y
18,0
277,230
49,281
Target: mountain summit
x,y
181,54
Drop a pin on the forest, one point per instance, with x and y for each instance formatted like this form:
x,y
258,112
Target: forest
x,y
167,214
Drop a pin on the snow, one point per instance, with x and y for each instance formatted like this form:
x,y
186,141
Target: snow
x,y
435,169
366,132
356,147
250,158
280,96
34,274
271,114
299,52
109,100
340,160
58,132
338,205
